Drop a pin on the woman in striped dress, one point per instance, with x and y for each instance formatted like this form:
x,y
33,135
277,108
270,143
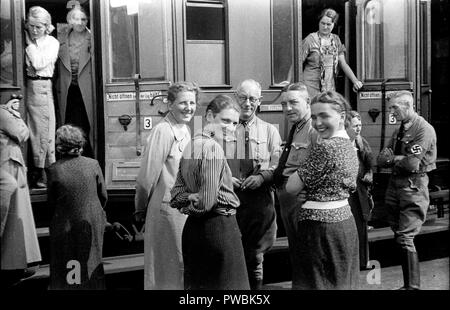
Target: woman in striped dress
x,y
212,248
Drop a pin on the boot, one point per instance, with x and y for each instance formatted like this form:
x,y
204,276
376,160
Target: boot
x,y
256,284
411,270
40,178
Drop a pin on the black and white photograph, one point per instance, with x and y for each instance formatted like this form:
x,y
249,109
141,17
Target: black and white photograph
x,y
216,153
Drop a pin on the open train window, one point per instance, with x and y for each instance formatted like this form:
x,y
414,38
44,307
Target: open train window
x,y
206,43
138,40
282,41
385,39
7,59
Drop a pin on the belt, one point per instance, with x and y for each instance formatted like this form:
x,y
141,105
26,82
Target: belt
x,y
409,174
37,77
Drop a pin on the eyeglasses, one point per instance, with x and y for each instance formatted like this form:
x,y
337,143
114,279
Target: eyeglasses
x,y
252,99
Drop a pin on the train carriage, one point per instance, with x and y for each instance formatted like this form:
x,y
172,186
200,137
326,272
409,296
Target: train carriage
x,y
139,47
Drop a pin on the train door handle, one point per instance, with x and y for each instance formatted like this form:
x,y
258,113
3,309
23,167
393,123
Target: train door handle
x,y
373,113
137,78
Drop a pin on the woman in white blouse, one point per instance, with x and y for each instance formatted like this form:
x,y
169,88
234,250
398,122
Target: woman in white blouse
x,y
40,56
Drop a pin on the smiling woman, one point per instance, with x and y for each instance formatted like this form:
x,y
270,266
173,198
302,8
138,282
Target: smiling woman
x,y
322,53
326,228
212,248
163,262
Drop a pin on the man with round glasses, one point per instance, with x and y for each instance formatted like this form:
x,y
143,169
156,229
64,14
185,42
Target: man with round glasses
x,y
252,162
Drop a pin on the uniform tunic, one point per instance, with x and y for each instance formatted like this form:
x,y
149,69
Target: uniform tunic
x,y
407,196
258,143
19,245
304,136
163,259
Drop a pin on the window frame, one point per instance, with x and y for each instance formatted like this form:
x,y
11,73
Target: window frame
x,y
226,42
407,51
15,84
168,48
296,34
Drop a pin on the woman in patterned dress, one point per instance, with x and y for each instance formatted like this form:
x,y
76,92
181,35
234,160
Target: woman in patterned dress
x,y
322,52
326,232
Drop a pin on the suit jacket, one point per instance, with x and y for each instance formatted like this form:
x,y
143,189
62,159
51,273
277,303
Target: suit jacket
x,y
84,76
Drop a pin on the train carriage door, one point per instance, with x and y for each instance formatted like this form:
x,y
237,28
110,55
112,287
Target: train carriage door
x,y
137,67
11,51
386,59
424,61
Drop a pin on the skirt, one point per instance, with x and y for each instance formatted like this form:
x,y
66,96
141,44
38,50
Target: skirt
x,y
213,254
328,255
41,121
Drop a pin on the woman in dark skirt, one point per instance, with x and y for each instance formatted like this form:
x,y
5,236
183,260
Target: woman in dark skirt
x,y
326,232
77,191
212,248
361,200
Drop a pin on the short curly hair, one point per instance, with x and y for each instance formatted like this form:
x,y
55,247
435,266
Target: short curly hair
x,y
222,102
182,86
70,140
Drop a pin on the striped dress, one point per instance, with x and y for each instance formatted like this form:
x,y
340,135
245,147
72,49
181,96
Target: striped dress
x,y
212,248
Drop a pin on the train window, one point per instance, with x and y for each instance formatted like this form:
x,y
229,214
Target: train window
x,y
204,23
205,45
282,38
7,60
137,40
385,33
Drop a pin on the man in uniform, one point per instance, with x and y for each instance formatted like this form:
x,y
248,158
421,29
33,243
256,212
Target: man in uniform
x,y
256,154
411,154
296,108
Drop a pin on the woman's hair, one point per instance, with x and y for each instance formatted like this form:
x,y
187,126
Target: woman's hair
x,y
222,102
331,14
337,102
42,16
72,12
354,114
69,140
179,87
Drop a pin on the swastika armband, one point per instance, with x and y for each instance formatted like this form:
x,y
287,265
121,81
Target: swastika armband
x,y
416,149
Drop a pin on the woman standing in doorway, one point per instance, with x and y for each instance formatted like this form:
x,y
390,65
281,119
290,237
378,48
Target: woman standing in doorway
x,y
76,106
41,54
322,53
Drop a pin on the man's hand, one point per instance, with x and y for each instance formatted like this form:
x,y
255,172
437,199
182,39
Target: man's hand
x,y
13,104
236,183
194,198
386,157
138,234
301,197
139,217
367,178
252,182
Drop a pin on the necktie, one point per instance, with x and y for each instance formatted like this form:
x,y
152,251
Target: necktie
x,y
278,173
398,141
246,164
